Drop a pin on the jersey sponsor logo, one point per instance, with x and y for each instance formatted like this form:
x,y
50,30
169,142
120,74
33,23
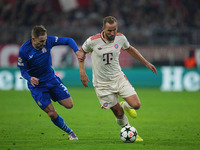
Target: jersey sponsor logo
x,y
116,46
107,57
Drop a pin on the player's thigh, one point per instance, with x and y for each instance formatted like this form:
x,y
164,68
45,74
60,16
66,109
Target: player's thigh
x,y
125,88
133,101
67,102
59,92
41,96
128,93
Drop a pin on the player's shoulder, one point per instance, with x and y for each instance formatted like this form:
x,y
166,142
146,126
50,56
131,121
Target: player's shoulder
x,y
93,40
27,43
119,34
94,37
25,46
52,38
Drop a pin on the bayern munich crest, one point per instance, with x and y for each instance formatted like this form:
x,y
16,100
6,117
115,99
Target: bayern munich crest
x,y
116,46
105,104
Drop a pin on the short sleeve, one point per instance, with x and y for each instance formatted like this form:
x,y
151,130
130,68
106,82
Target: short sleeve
x,y
126,44
87,45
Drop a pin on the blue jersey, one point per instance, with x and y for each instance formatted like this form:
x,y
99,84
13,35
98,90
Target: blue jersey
x,y
38,63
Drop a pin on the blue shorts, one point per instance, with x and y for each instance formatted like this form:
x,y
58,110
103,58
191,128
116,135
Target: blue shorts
x,y
45,91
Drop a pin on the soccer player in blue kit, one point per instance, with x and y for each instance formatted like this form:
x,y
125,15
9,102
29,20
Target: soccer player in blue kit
x,y
35,65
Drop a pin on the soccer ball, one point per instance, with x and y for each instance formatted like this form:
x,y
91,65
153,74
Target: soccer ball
x,y
128,134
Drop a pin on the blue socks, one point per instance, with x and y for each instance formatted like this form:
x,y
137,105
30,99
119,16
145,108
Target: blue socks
x,y
59,122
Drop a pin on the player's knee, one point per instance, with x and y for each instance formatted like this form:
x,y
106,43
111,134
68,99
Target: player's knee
x,y
69,105
138,105
52,114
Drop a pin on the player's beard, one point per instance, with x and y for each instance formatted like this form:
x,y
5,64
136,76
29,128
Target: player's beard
x,y
110,38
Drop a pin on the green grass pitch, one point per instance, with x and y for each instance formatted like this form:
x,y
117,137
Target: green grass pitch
x,y
166,121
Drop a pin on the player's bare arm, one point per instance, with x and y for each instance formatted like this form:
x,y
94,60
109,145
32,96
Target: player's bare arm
x,y
34,81
83,75
136,54
80,55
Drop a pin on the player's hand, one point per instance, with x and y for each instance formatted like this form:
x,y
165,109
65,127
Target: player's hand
x,y
34,81
80,55
84,79
152,68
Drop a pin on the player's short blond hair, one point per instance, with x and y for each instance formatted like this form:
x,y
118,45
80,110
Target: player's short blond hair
x,y
38,30
109,19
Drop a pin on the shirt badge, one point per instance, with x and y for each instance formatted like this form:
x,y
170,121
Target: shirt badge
x,y
116,46
20,59
105,105
44,50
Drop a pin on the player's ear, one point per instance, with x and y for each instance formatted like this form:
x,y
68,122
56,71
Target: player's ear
x,y
33,39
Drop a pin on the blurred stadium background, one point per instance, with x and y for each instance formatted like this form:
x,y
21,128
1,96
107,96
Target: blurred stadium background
x,y
166,32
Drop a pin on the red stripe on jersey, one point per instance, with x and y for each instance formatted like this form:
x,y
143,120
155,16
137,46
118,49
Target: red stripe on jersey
x,y
119,34
97,36
125,77
102,38
83,49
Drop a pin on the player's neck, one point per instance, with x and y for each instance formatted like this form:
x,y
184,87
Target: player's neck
x,y
105,38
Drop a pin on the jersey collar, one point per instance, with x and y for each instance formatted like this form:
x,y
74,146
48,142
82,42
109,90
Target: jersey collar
x,y
104,40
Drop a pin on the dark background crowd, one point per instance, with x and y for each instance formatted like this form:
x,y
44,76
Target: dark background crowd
x,y
130,13
143,21
165,31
